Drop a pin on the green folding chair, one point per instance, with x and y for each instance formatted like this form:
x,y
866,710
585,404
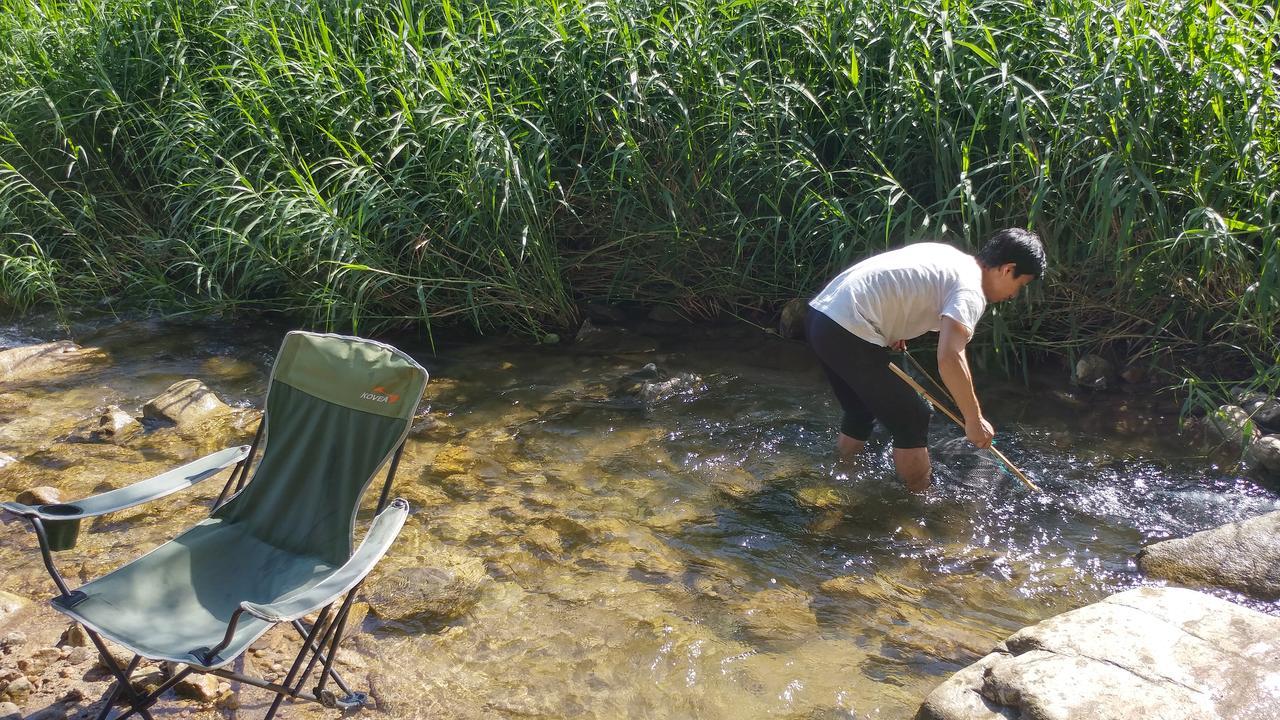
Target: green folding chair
x,y
277,550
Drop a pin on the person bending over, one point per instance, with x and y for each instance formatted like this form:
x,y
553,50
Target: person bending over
x,y
884,301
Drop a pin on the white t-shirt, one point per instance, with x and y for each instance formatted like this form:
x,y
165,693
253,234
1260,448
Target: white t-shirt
x,y
902,294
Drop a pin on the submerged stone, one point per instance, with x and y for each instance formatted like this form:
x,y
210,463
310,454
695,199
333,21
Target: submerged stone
x,y
1242,556
778,615
110,425
46,361
186,403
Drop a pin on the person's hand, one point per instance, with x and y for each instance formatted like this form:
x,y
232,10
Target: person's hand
x,y
899,345
979,432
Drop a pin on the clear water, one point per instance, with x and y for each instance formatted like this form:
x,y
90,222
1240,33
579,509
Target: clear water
x,y
701,554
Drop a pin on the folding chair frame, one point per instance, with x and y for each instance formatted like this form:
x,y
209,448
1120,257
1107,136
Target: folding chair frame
x,y
313,651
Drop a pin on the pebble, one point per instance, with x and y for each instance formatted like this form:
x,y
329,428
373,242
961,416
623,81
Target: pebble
x,y
75,636
198,687
13,640
19,690
43,495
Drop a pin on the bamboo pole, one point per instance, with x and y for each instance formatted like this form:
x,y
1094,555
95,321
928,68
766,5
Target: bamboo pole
x,y
916,386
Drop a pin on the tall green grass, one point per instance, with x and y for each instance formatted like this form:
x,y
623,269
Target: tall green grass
x,y
495,162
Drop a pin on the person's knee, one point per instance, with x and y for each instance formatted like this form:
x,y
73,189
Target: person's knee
x,y
913,468
848,447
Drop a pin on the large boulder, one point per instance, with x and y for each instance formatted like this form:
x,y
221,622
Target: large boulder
x,y
1243,556
46,360
1164,653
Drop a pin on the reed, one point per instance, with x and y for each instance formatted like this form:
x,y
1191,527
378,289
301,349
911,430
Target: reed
x,y
494,162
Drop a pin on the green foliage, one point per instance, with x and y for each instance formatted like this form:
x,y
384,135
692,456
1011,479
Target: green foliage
x,y
493,161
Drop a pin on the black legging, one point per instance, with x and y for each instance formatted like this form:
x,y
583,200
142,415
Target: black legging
x,y
865,386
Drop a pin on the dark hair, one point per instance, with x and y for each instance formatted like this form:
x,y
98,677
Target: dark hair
x,y
1017,246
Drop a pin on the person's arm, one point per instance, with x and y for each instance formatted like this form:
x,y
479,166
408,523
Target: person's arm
x,y
954,368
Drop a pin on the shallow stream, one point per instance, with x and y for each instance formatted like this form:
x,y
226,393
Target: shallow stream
x,y
666,546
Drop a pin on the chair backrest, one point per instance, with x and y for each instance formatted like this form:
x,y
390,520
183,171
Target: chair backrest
x,y
337,408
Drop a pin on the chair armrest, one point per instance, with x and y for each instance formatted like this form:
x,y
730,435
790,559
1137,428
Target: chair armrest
x,y
140,492
382,532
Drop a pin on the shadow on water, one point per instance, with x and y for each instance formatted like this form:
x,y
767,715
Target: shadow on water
x,y
679,541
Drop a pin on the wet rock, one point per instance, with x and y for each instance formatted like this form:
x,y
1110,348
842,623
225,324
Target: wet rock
x,y
1152,652
791,324
17,691
74,636
1229,424
1266,453
778,615
196,686
650,385
9,711
1266,414
110,425
822,498
1093,371
43,495
1242,556
229,369
437,588
46,361
186,403
735,483
453,460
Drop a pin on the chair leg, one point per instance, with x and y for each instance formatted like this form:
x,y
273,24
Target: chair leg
x,y
307,646
323,657
150,698
123,686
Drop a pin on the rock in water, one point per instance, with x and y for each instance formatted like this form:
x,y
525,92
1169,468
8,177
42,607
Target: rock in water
x,y
1093,371
1229,424
794,315
186,403
46,361
110,425
1164,653
1266,452
1243,556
